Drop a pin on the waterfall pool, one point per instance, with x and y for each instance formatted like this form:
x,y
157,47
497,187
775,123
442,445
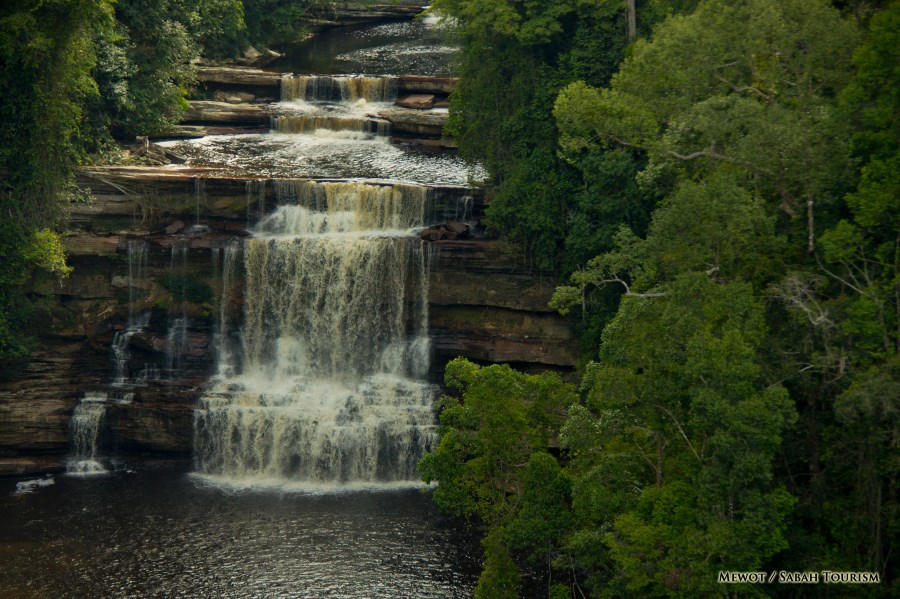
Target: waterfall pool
x,y
161,532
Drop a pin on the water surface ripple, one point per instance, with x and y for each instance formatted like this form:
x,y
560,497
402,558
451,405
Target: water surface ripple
x,y
162,533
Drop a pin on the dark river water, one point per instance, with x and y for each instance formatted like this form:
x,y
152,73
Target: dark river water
x,y
164,533
420,46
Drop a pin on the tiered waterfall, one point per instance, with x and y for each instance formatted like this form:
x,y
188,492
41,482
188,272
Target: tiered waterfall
x,y
327,386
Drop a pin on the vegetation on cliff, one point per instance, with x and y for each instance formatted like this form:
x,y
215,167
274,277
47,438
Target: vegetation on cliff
x,y
723,192
75,75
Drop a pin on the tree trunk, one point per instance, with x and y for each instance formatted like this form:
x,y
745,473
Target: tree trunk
x,y
810,225
632,20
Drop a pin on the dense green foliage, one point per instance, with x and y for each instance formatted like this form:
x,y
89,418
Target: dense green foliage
x,y
45,59
75,74
729,185
517,57
493,448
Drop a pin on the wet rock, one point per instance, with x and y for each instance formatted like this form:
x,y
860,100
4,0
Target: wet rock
x,y
417,101
145,342
455,226
433,234
415,122
238,76
353,13
501,335
427,84
222,112
233,97
174,228
32,465
450,231
90,245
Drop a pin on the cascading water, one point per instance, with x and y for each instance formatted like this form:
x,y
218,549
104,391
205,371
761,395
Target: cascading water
x,y
256,194
84,427
225,292
333,345
311,123
350,88
176,336
137,322
334,104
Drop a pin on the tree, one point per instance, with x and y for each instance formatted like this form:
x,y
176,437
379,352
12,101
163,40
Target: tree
x,y
672,453
849,308
493,446
755,99
515,57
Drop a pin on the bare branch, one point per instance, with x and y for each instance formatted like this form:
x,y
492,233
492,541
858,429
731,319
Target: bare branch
x,y
739,89
628,292
680,430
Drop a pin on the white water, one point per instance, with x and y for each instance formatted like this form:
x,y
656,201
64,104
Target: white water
x,y
176,335
338,88
137,321
333,346
84,427
324,105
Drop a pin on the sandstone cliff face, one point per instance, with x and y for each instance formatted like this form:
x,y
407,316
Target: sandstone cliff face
x,y
484,306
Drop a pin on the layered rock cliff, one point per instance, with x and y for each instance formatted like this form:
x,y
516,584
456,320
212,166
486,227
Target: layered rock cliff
x,y
483,305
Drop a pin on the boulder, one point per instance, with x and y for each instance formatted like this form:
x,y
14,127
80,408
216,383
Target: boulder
x,y
238,76
426,84
252,57
455,226
418,101
174,228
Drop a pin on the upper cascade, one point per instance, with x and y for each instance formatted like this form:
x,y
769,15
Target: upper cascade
x,y
314,122
338,88
313,207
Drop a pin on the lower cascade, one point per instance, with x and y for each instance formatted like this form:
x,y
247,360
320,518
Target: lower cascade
x,y
325,382
85,433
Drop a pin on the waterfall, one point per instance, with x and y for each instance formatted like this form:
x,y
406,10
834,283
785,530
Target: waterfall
x,y
309,207
325,88
199,194
327,387
334,104
256,194
176,336
311,123
137,322
225,293
84,427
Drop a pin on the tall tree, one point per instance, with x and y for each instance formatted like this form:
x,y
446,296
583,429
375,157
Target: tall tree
x,y
754,95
